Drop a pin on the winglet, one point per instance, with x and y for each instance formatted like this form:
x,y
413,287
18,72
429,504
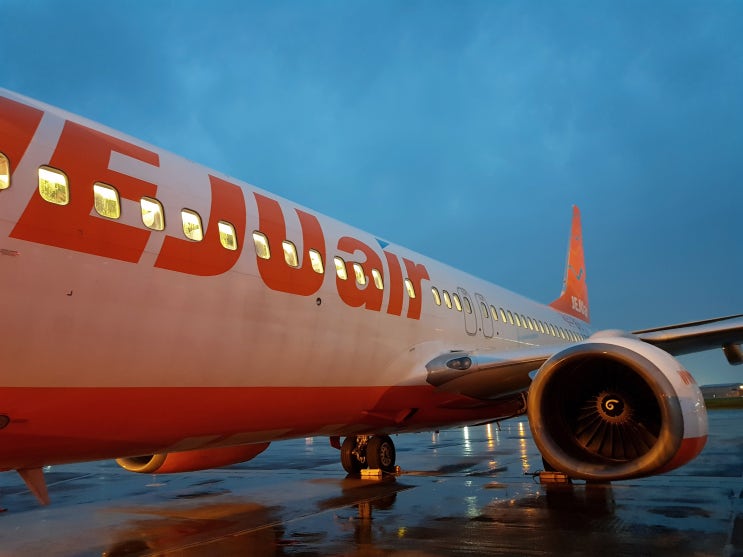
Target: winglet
x,y
574,297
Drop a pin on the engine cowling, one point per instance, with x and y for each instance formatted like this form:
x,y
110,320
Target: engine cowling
x,y
190,461
614,407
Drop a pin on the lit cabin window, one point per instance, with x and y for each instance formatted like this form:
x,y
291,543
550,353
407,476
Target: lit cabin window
x,y
494,313
290,253
53,186
457,302
552,329
152,213
261,245
377,278
227,236
529,322
502,315
483,310
409,287
510,317
436,296
517,319
192,225
358,270
106,201
4,172
447,299
541,326
340,268
316,261
467,304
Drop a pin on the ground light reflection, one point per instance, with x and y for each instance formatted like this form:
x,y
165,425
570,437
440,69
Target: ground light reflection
x,y
467,445
523,448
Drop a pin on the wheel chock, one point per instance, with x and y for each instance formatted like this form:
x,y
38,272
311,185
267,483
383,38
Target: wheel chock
x,y
553,478
371,474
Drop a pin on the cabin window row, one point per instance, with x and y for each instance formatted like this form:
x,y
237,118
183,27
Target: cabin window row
x,y
54,188
453,301
357,270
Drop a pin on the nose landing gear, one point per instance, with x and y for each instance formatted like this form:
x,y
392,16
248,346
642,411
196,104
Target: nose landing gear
x,y
363,451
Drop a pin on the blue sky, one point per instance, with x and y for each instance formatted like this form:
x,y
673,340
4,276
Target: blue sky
x,y
462,130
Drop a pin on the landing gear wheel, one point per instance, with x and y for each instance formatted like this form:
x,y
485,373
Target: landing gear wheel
x,y
380,453
349,457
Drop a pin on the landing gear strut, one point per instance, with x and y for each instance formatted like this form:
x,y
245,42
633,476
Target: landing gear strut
x,y
363,451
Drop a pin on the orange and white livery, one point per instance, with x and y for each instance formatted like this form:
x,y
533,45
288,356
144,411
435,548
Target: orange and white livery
x,y
163,314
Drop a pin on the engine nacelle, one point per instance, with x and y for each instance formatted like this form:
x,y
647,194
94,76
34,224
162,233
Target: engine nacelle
x,y
190,461
615,407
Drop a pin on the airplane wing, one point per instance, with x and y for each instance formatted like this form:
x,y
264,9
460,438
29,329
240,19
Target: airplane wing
x,y
491,375
685,338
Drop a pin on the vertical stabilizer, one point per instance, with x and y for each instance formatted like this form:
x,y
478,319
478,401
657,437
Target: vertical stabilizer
x,y
574,297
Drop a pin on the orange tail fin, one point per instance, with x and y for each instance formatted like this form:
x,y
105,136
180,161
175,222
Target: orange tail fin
x,y
574,297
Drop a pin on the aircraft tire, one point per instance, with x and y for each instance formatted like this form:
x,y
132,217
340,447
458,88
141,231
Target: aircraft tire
x,y
380,453
351,464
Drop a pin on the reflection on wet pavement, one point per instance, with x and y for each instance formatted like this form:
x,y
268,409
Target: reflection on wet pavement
x,y
462,492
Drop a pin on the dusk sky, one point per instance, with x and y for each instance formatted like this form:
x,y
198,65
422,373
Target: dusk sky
x,y
462,130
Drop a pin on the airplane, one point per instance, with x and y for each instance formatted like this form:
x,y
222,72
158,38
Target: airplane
x,y
175,319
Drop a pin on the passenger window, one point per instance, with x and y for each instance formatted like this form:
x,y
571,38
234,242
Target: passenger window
x,y
316,260
457,302
290,253
340,268
530,323
152,213
552,329
53,186
261,245
541,326
483,310
494,313
358,270
227,236
106,201
510,317
516,319
4,172
377,277
502,315
409,288
447,299
436,296
192,225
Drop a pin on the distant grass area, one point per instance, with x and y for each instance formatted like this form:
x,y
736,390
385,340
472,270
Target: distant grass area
x,y
723,403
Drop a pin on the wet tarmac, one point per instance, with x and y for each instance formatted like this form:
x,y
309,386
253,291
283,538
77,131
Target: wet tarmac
x,y
462,492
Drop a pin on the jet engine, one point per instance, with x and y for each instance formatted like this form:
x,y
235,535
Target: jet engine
x,y
614,407
190,461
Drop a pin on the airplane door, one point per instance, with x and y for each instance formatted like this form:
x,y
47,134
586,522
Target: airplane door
x,y
485,317
470,315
